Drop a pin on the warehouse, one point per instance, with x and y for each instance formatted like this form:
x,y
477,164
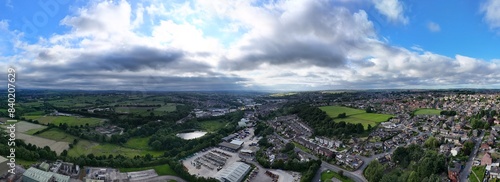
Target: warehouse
x,y
229,146
234,173
37,175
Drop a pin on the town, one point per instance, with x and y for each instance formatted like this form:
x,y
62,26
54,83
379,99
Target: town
x,y
310,136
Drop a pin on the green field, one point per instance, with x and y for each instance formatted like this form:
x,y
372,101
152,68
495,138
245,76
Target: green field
x,y
145,111
355,116
161,170
334,111
326,176
33,131
427,112
479,172
138,143
212,125
70,120
57,135
25,163
170,107
85,147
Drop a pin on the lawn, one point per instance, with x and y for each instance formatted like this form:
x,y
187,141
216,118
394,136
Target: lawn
x,y
326,176
160,170
57,135
212,125
138,143
479,172
70,120
427,112
355,116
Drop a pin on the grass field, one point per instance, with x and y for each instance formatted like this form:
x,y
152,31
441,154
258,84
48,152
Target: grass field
x,y
427,112
145,111
138,143
212,125
334,111
355,115
170,107
326,176
33,131
479,172
70,120
85,147
57,135
25,163
160,170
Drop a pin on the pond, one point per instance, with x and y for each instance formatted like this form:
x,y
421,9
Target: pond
x,y
191,135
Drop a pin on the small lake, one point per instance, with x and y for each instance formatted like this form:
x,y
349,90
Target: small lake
x,y
191,135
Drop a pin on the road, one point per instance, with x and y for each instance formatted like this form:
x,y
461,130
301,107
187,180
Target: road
x,y
468,166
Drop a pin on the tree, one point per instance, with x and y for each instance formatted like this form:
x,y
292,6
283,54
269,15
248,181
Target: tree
x,y
288,147
468,146
431,143
342,115
413,177
374,171
369,127
341,173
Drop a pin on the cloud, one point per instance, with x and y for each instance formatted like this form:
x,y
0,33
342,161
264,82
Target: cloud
x,y
310,34
433,27
275,45
491,11
392,9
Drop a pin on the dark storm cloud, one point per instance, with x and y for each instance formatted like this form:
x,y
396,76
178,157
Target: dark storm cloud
x,y
133,59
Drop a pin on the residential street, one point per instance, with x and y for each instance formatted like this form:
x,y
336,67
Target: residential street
x,y
468,166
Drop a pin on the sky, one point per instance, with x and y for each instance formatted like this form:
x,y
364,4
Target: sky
x,y
277,45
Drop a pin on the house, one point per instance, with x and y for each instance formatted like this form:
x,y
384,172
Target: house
x,y
495,171
454,171
486,160
485,147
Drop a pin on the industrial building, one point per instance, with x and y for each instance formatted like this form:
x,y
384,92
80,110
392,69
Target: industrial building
x,y
236,172
37,175
4,168
229,146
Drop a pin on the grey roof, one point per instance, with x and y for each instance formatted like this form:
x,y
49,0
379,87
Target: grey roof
x,y
229,145
37,175
234,173
3,159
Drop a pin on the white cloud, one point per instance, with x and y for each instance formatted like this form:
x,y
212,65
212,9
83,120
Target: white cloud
x,y
433,27
392,9
491,10
284,45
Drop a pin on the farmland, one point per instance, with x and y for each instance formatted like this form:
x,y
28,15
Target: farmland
x,y
355,115
427,112
69,120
